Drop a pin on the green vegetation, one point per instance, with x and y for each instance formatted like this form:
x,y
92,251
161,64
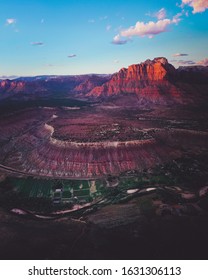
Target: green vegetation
x,y
32,188
143,180
47,195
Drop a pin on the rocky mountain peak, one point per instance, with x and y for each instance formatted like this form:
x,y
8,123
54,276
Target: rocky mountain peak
x,y
148,78
162,60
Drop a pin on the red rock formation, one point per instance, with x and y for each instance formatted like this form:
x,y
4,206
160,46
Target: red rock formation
x,y
48,84
15,86
91,83
36,152
150,80
154,81
8,86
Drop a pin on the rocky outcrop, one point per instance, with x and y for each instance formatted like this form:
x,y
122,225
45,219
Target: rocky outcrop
x,y
154,81
149,78
22,89
11,86
52,84
92,82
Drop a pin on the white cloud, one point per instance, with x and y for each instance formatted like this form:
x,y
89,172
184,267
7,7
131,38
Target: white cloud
x,y
72,55
116,61
198,6
203,62
150,28
161,14
186,62
180,54
118,41
177,18
11,21
37,43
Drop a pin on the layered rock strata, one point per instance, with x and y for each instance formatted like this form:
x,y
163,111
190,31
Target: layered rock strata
x,y
156,82
150,79
38,153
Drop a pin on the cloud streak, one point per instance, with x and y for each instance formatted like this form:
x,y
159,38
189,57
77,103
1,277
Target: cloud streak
x,y
179,54
185,62
203,62
72,55
198,6
37,43
161,14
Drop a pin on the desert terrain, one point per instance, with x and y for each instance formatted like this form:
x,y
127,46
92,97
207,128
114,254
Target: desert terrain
x,y
117,169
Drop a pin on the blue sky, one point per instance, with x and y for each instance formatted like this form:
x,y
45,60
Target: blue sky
x,y
65,37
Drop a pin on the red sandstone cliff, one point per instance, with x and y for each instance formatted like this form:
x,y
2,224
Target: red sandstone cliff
x,y
52,84
151,80
11,86
90,83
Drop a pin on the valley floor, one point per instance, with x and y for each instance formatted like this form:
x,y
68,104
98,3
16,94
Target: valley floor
x,y
154,164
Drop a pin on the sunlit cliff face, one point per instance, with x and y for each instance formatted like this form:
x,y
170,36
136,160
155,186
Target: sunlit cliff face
x,y
148,80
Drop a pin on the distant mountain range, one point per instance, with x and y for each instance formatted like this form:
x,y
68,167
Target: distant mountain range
x,y
47,85
153,81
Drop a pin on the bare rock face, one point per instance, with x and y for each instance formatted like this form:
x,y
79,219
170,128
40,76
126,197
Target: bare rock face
x,y
90,83
47,84
18,86
151,80
157,82
10,86
151,70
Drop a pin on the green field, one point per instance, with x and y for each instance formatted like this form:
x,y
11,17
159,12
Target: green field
x,y
32,188
48,195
